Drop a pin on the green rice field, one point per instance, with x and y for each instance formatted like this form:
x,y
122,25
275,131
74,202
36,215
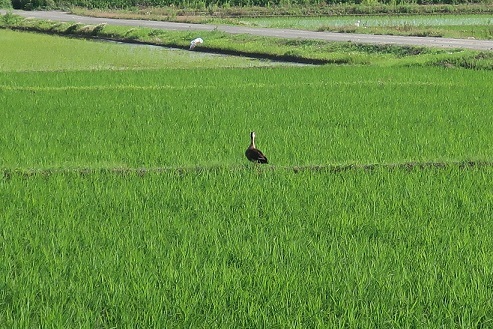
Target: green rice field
x,y
60,54
476,26
127,200
371,21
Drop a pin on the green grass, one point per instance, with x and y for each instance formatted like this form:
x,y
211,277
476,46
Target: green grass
x,y
248,248
303,51
127,200
449,26
313,23
303,116
286,10
60,54
435,21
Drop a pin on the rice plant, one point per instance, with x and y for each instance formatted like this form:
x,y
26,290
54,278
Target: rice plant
x,y
303,116
248,248
127,199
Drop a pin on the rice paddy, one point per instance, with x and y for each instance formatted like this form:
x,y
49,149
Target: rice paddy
x,y
78,55
450,26
127,200
313,23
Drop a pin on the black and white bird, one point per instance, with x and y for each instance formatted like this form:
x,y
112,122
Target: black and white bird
x,y
253,154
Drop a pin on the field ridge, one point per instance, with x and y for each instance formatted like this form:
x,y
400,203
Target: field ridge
x,y
330,168
195,86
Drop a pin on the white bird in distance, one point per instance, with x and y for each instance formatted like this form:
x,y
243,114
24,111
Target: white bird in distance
x,y
195,42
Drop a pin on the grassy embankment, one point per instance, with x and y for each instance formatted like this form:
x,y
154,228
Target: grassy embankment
x,y
307,51
460,21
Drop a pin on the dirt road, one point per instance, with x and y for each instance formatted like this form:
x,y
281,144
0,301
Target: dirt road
x,y
268,32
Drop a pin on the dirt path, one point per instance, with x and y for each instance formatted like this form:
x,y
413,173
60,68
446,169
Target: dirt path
x,y
268,32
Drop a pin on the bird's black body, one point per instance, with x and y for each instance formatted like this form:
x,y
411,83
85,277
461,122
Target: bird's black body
x,y
253,154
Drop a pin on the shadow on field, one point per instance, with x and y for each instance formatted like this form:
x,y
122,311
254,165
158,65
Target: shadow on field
x,y
228,52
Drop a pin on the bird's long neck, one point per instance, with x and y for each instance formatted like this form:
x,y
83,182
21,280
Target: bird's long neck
x,y
252,143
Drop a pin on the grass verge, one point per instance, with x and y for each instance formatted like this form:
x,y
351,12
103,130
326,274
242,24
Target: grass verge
x,y
302,51
200,15
283,18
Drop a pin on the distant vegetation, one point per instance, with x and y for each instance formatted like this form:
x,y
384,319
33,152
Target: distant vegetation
x,y
5,4
269,7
